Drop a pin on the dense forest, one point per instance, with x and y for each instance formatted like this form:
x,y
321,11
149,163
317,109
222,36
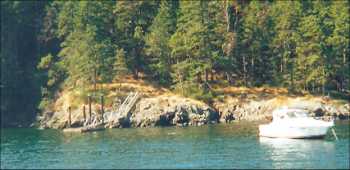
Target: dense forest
x,y
186,46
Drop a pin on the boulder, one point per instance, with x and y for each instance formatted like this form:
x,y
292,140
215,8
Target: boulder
x,y
227,115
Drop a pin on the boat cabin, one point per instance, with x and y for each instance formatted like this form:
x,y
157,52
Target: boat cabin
x,y
285,113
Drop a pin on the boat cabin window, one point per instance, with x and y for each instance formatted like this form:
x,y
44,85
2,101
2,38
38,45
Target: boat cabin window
x,y
291,115
301,114
296,114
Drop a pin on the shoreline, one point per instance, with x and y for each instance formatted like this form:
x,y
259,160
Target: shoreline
x,y
237,123
175,110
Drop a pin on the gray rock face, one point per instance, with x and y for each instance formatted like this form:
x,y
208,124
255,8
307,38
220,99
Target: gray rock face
x,y
227,113
262,110
323,110
180,111
249,111
59,119
171,110
155,111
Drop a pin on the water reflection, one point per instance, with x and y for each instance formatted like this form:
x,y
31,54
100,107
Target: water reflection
x,y
298,153
219,146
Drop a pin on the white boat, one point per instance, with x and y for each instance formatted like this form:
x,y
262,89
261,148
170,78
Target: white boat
x,y
294,123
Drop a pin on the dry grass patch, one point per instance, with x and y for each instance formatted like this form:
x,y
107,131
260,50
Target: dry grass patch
x,y
253,90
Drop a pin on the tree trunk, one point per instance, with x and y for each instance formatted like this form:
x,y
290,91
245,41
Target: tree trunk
x,y
102,108
323,81
282,57
95,77
179,76
84,113
228,17
136,73
227,76
206,75
199,79
292,76
253,68
304,77
244,72
343,81
281,65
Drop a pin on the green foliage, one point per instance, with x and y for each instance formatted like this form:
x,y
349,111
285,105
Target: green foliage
x,y
45,62
53,71
339,41
44,103
311,56
87,52
193,90
255,38
120,67
286,16
196,43
132,22
302,45
156,43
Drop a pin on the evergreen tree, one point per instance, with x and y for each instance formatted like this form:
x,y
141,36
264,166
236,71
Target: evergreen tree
x,y
157,41
215,37
254,44
339,41
286,15
134,18
186,44
87,51
195,44
312,48
120,67
75,44
232,61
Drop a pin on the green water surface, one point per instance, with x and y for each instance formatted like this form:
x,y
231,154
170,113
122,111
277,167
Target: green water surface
x,y
212,146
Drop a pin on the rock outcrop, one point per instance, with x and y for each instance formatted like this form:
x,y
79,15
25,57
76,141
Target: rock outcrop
x,y
235,110
151,111
253,110
172,110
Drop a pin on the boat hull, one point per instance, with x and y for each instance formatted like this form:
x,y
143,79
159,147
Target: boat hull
x,y
311,132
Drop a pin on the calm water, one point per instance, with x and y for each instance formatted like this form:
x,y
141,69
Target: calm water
x,y
215,146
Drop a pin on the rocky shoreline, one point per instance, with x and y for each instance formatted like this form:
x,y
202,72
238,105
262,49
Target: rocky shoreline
x,y
257,110
173,110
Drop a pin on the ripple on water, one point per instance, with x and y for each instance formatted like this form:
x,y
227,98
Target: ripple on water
x,y
219,146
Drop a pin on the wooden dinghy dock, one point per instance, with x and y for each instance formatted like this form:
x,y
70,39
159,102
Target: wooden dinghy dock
x,y
93,124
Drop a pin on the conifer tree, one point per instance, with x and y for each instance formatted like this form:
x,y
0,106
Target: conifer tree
x,y
339,40
157,41
87,52
120,67
254,44
286,15
312,48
